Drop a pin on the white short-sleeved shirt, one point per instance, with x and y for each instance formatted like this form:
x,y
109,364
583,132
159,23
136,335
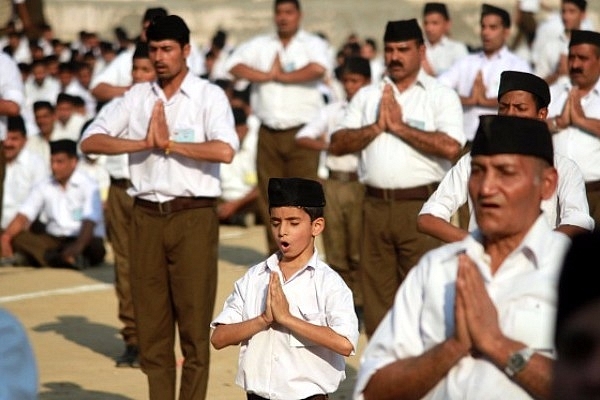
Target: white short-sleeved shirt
x,y
388,162
66,208
117,72
275,363
11,87
548,57
238,178
578,145
461,75
283,105
198,112
567,206
443,54
116,165
27,170
328,120
523,291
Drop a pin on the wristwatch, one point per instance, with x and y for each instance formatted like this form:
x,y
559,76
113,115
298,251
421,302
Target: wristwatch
x,y
517,361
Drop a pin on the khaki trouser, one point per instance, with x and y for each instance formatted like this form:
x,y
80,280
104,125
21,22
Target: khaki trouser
x,y
278,156
173,281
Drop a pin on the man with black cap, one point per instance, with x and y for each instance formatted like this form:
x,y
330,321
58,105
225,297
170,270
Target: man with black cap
x,y
524,95
284,68
115,79
574,113
343,191
406,130
474,318
442,51
577,332
176,130
70,201
292,314
476,77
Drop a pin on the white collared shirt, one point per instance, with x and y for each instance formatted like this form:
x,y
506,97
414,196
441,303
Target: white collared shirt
x,y
27,170
283,105
444,54
523,291
11,87
275,363
328,120
580,146
198,112
66,208
389,162
567,206
462,74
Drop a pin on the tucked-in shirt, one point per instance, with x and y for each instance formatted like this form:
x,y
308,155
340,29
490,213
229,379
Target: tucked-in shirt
x,y
66,208
198,112
389,162
581,146
444,53
567,206
523,290
461,76
276,363
11,87
22,174
283,105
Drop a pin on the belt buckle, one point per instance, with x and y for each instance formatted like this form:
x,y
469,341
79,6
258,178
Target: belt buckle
x,y
388,194
165,208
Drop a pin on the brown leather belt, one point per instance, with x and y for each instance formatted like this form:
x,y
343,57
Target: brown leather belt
x,y
122,183
593,186
290,129
252,396
175,205
414,193
343,176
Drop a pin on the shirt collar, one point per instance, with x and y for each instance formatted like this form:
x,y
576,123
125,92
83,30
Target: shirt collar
x,y
314,263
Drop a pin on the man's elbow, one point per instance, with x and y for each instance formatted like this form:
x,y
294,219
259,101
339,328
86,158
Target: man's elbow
x,y
12,109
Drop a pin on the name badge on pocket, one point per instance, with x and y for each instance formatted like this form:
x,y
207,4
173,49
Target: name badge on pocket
x,y
184,135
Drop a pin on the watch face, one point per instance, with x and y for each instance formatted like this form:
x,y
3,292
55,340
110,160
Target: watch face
x,y
517,361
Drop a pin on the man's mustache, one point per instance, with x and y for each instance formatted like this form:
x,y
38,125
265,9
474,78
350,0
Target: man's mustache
x,y
575,71
395,64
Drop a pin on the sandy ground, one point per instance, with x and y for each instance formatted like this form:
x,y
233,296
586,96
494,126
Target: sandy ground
x,y
71,320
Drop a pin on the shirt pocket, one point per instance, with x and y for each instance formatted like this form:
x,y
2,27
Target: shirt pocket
x,y
314,317
533,324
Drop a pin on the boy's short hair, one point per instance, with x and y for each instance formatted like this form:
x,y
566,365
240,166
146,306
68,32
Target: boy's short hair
x,y
356,65
297,192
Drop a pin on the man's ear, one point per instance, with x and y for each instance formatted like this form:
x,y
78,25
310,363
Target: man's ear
x,y
549,182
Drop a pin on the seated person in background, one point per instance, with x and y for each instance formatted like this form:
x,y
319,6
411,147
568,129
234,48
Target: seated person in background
x,y
577,333
70,200
237,205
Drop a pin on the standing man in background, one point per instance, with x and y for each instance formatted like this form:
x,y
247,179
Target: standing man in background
x,y
284,69
407,131
176,140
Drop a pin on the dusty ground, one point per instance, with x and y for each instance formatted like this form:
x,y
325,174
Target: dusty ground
x,y
71,319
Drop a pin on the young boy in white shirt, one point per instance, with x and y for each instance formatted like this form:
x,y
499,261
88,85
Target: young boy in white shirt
x,y
292,314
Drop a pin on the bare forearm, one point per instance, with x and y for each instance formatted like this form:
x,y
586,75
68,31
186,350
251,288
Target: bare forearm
x,y
212,151
105,144
347,141
86,233
311,72
242,71
435,143
320,335
313,144
233,334
9,108
590,125
439,228
417,374
106,92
